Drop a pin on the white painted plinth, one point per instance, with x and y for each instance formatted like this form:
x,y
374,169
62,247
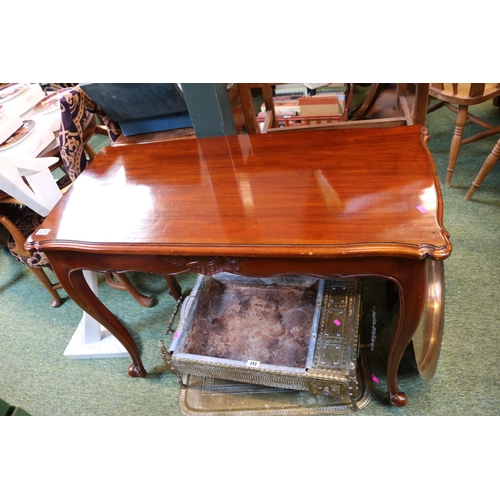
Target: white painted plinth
x,y
91,339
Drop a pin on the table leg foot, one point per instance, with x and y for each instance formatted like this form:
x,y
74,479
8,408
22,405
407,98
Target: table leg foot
x,y
74,282
411,282
400,399
137,371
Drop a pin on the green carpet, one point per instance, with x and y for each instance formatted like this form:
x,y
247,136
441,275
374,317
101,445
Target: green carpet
x,y
36,376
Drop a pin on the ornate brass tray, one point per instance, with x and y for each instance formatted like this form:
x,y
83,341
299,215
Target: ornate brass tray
x,y
208,396
295,333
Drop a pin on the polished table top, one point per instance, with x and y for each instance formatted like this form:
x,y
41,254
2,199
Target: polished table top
x,y
329,193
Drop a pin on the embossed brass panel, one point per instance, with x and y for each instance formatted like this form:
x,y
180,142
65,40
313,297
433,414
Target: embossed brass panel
x,y
289,332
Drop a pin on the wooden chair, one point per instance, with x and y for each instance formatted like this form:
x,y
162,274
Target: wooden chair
x,y
458,97
97,126
401,103
488,165
242,101
53,150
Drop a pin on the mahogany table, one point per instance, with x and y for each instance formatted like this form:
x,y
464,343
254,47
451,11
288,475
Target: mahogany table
x,y
324,203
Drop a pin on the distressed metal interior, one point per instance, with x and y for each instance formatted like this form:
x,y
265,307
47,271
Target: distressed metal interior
x,y
249,321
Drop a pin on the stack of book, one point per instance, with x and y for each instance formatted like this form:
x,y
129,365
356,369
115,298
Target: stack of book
x,y
319,106
317,102
328,88
337,90
284,106
293,90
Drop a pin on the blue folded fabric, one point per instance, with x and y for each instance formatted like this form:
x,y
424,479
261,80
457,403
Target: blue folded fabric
x,y
155,124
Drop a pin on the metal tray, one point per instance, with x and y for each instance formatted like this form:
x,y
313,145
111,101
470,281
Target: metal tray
x,y
208,396
296,333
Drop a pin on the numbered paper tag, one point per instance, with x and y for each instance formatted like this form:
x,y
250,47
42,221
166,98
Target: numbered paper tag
x,y
43,231
253,364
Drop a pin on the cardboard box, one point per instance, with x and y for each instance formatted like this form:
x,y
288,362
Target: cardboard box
x,y
319,106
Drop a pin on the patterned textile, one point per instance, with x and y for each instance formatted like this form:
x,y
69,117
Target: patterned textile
x,y
75,105
26,220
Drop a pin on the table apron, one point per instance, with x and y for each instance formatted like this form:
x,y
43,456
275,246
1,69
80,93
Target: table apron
x,y
385,267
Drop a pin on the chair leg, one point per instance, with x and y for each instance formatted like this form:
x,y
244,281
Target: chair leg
x,y
485,170
121,282
456,142
175,289
90,151
44,279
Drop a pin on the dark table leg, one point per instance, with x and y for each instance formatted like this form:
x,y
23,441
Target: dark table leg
x,y
76,286
410,278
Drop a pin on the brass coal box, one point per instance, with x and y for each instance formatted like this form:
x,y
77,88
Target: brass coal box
x,y
298,333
